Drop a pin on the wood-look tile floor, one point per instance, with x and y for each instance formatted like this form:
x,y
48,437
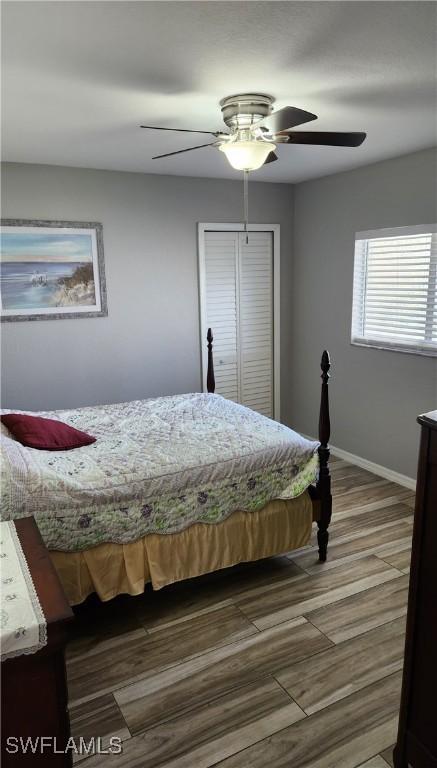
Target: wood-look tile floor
x,y
285,663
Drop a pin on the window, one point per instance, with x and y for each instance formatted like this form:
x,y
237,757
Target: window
x,y
395,289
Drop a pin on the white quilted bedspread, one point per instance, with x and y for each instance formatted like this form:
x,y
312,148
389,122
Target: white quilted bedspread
x,y
158,465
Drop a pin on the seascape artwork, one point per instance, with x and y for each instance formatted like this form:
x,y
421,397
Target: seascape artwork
x,y
50,272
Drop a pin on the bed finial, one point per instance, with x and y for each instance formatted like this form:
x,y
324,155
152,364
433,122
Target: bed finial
x,y
324,482
210,380
324,421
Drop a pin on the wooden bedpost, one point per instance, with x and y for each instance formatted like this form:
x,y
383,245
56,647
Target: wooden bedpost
x,y
210,380
324,482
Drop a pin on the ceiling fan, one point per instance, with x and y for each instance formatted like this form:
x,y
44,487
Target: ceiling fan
x,y
255,130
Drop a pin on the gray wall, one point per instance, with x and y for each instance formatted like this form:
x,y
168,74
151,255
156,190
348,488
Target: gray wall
x,y
375,394
149,343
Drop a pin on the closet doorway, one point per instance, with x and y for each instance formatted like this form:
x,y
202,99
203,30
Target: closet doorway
x,y
239,299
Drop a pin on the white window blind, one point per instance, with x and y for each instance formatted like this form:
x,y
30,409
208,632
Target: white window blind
x,y
395,289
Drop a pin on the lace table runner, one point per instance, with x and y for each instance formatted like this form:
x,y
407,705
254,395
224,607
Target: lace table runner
x,y
23,628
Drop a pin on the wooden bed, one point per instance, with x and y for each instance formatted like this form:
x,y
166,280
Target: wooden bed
x,y
321,492
90,556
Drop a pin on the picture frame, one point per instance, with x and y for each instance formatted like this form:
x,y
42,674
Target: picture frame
x,y
51,270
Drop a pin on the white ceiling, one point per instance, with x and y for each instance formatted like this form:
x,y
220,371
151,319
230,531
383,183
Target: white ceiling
x,y
80,77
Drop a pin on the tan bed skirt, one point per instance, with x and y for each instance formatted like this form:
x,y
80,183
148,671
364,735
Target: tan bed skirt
x,y
114,569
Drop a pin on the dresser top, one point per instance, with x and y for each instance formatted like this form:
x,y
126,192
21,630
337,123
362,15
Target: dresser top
x,y
48,587
429,419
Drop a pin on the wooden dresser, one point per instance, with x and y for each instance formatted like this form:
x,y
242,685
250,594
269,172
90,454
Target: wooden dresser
x,y
34,687
417,737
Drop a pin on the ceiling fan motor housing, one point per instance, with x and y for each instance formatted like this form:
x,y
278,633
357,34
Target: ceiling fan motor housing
x,y
242,110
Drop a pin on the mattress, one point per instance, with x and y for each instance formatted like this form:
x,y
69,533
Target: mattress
x,y
157,466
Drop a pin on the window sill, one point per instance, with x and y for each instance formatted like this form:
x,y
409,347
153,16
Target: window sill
x,y
393,347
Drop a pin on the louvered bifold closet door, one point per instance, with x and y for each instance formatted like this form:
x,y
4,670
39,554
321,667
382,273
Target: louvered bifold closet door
x,y
221,308
255,272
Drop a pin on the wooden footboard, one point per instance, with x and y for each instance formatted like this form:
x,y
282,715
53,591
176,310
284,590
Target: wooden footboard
x,y
320,493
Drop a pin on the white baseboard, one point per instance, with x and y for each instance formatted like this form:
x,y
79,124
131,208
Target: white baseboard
x,y
377,469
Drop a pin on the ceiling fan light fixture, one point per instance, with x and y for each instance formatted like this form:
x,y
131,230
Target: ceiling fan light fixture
x,y
247,155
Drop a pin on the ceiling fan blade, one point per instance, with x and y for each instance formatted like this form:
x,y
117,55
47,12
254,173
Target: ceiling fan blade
x,y
179,151
180,130
271,157
325,138
285,118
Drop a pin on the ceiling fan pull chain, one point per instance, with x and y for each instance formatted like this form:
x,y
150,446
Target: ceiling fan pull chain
x,y
246,203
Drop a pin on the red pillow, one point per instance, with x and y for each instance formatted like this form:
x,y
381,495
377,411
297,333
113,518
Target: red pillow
x,y
45,434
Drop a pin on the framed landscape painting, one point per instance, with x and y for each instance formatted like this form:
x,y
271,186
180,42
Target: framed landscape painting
x,y
51,270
